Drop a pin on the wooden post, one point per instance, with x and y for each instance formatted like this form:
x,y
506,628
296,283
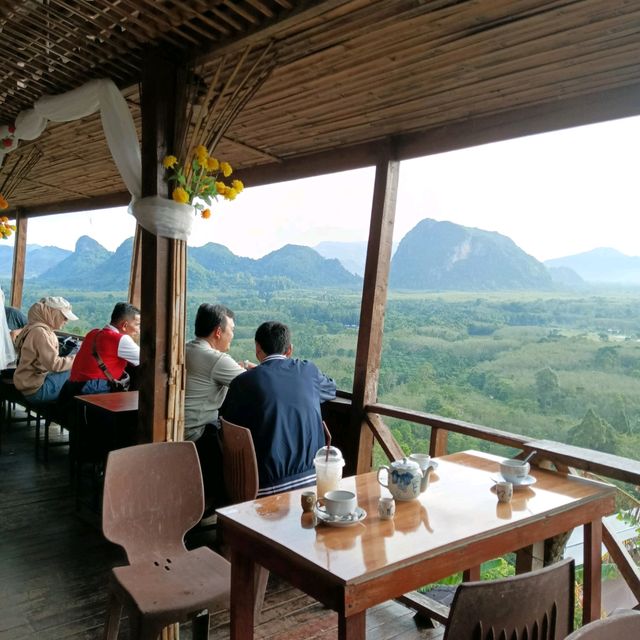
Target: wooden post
x,y
162,83
374,298
592,586
19,258
135,272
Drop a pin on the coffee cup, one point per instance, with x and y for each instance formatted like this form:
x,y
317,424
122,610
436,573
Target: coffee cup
x,y
514,471
424,460
338,503
504,491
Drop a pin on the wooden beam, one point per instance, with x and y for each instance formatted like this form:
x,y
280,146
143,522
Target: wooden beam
x,y
625,563
19,260
374,298
160,86
118,199
385,438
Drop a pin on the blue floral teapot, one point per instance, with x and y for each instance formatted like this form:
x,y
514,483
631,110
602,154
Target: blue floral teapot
x,y
403,479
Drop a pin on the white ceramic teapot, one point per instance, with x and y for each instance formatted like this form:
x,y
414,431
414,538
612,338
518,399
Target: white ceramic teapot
x,y
403,479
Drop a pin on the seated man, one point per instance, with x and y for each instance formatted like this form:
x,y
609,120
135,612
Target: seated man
x,y
279,402
209,370
115,346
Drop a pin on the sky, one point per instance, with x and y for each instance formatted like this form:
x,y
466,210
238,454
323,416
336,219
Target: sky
x,y
553,194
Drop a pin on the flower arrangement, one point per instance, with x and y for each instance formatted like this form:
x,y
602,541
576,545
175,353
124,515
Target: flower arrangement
x,y
201,179
6,229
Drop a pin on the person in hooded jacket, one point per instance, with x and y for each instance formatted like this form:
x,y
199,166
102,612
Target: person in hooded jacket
x,y
41,371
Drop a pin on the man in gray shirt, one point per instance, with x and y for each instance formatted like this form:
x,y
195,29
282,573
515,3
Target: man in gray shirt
x,y
209,370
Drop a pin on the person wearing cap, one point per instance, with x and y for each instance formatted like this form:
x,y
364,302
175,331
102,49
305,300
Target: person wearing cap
x,y
41,371
279,402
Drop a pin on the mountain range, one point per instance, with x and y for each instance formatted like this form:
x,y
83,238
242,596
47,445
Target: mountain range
x,y
433,256
92,267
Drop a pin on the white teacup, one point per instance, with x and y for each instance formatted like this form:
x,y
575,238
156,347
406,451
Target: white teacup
x,y
338,503
514,471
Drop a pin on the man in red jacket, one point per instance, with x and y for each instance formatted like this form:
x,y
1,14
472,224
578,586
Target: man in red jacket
x,y
114,345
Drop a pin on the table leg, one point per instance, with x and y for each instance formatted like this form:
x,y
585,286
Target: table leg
x,y
592,587
471,575
352,627
243,571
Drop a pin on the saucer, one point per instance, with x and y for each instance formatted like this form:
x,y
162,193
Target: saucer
x,y
342,521
525,482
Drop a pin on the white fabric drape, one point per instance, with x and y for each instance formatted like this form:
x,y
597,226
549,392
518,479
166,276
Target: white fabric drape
x,y
96,95
158,215
163,217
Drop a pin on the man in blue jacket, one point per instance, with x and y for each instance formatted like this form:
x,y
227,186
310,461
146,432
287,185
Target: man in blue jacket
x,y
279,402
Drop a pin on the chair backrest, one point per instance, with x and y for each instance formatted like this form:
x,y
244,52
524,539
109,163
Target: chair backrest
x,y
153,495
537,605
240,468
622,624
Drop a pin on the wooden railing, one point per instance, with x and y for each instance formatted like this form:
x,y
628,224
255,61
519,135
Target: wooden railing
x,y
563,457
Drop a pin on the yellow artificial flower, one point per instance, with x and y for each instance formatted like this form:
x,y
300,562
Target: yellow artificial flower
x,y
206,214
212,164
202,154
3,203
180,195
226,169
221,188
237,185
169,162
230,194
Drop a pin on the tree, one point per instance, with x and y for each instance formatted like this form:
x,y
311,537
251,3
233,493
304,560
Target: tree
x,y
594,433
547,388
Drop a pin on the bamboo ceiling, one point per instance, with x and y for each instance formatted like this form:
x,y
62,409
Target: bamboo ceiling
x,y
349,72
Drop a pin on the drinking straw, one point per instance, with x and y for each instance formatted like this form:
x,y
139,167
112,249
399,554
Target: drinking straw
x,y
327,439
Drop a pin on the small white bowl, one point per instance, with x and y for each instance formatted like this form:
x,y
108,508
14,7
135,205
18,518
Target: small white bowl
x,y
514,471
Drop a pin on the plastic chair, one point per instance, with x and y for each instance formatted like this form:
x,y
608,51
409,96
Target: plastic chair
x,y
621,624
240,471
538,604
152,496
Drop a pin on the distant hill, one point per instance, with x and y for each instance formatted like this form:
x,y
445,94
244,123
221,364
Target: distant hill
x,y
440,256
39,259
564,276
305,267
602,265
91,266
352,255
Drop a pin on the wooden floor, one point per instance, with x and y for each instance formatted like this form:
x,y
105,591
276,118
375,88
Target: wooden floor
x,y
54,563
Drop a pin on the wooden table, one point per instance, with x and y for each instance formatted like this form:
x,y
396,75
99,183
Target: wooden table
x,y
110,420
455,525
116,402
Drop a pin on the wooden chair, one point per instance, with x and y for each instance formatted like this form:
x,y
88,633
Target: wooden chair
x,y
622,624
153,495
241,483
538,604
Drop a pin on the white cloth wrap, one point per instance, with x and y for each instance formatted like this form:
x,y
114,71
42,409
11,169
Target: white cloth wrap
x,y
163,217
117,122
